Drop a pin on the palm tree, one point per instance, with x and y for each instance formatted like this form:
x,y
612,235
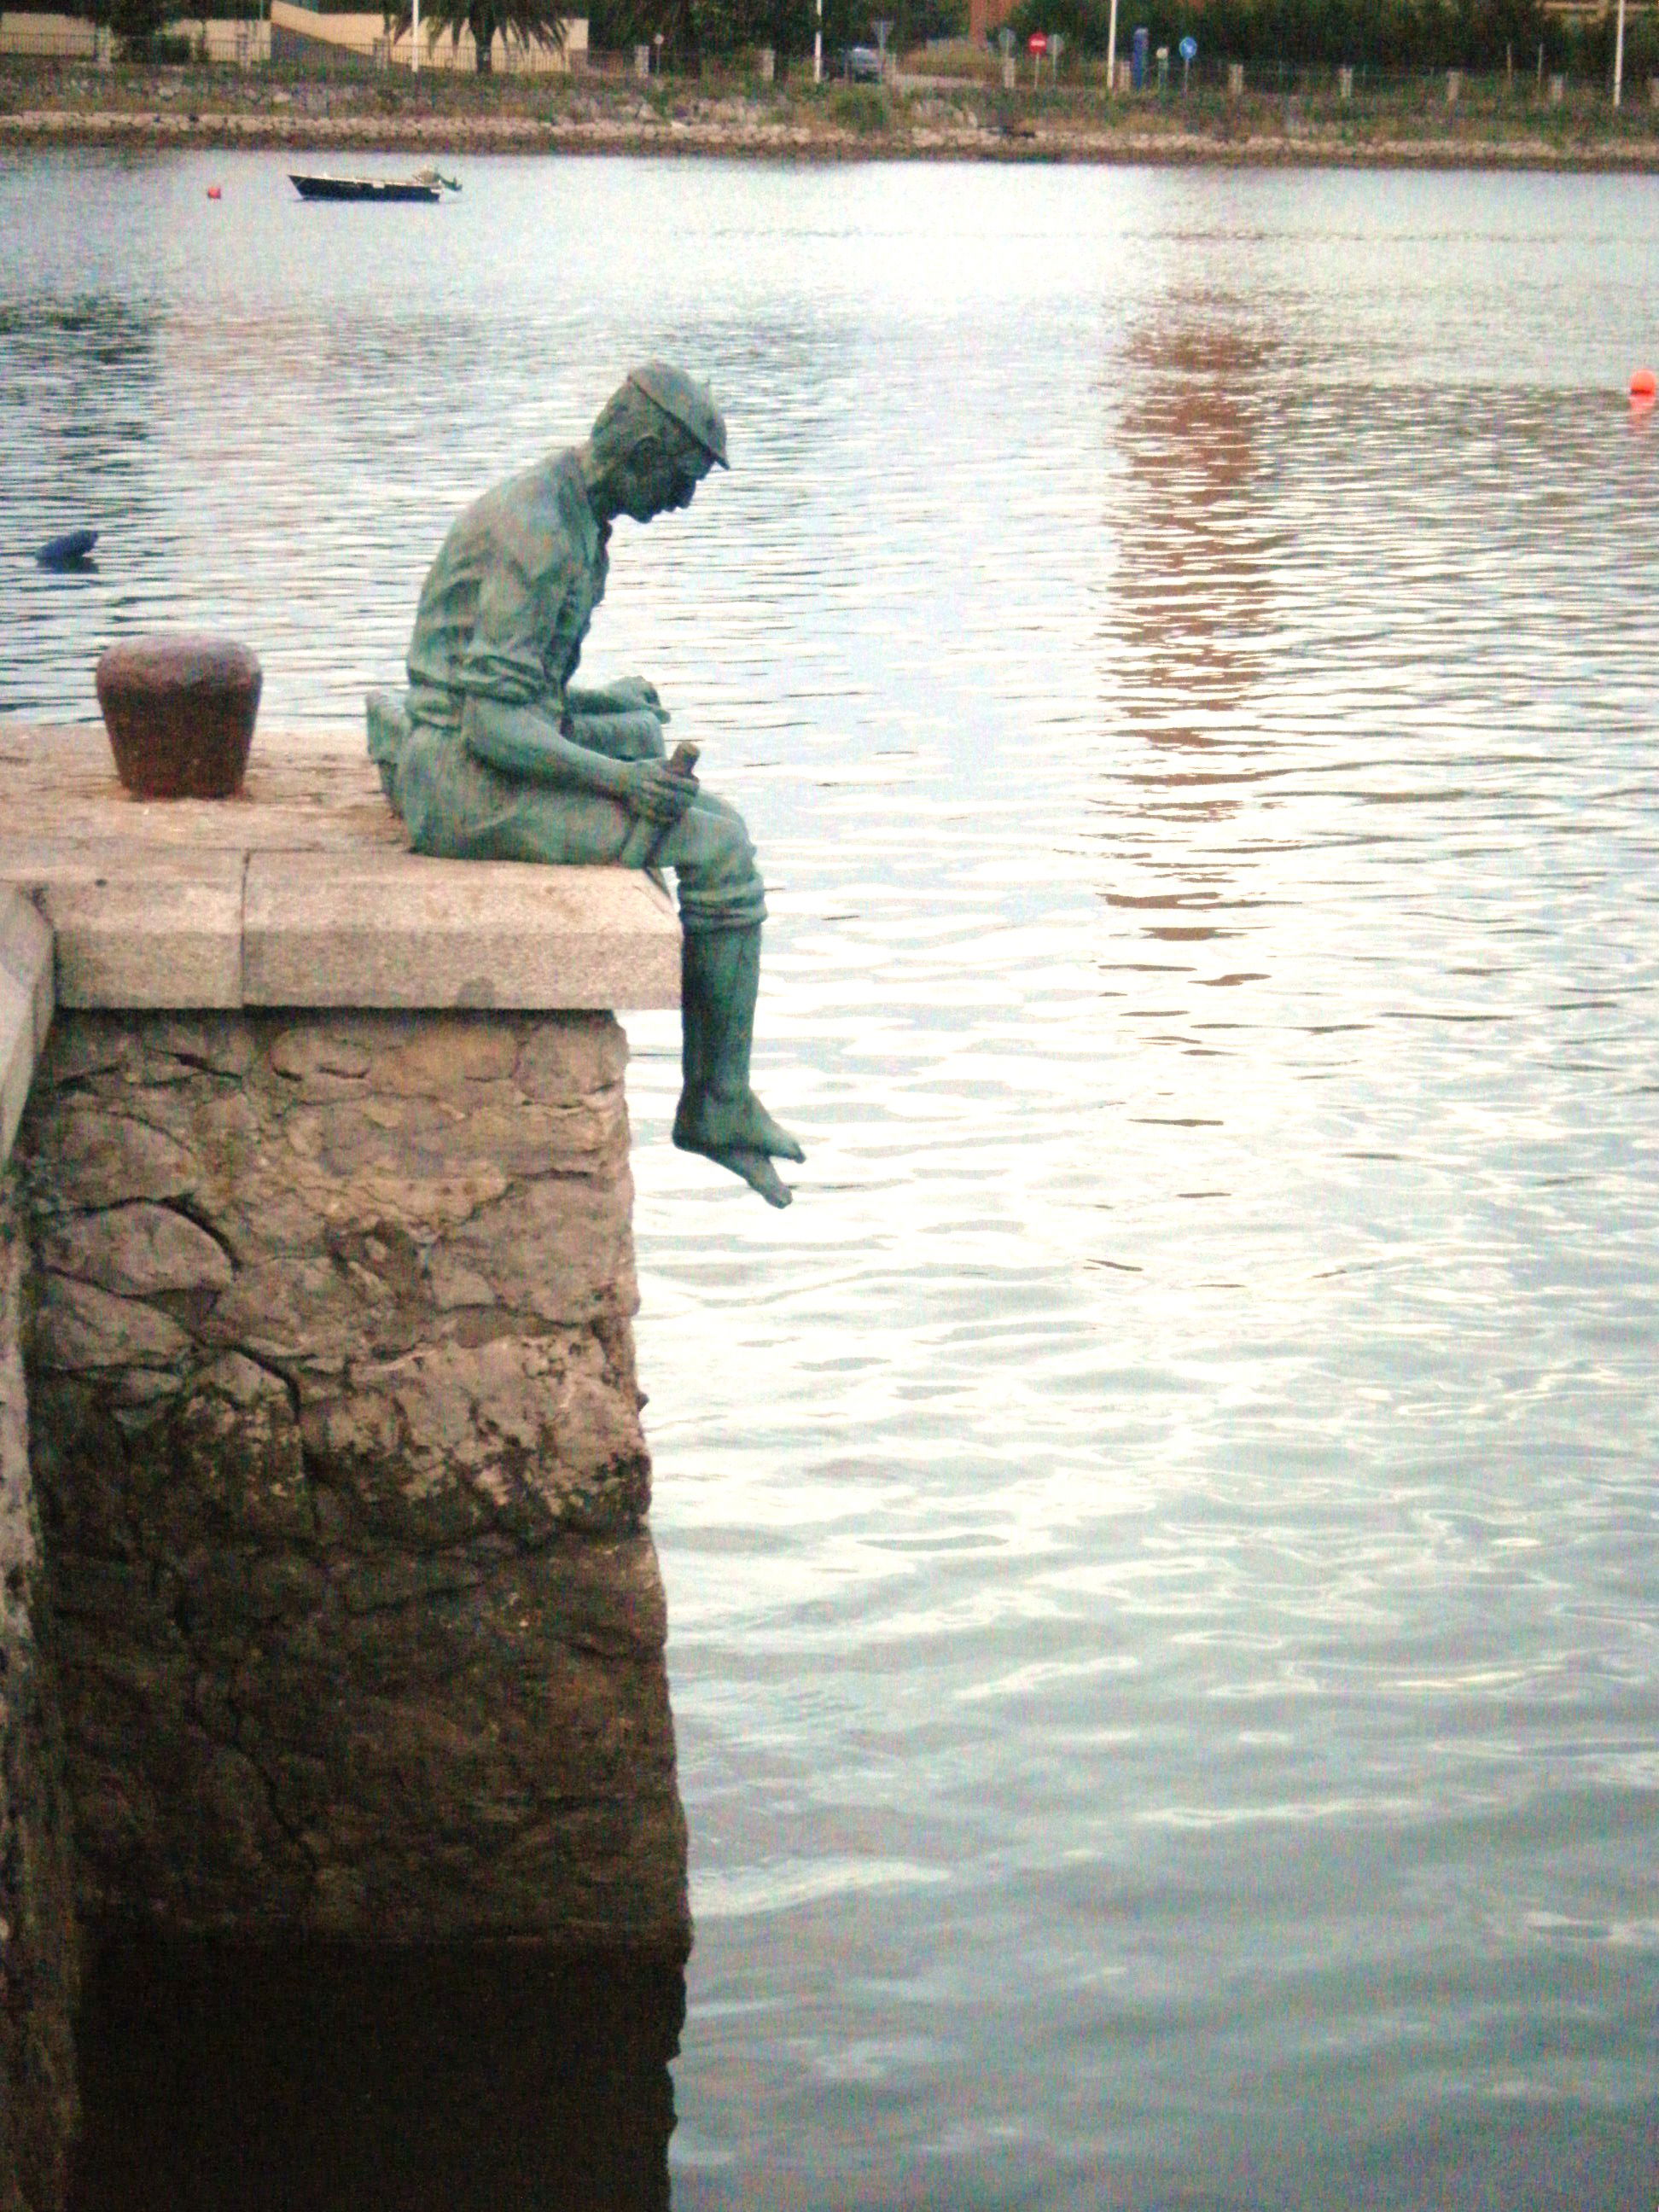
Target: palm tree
x,y
614,25
523,19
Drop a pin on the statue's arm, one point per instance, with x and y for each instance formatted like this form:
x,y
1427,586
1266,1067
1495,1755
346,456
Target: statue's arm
x,y
625,697
634,734
514,718
522,741
515,715
624,718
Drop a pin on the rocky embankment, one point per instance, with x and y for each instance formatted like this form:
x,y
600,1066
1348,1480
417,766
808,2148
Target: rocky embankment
x,y
917,119
336,1434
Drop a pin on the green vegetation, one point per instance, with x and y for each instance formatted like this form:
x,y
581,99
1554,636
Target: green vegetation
x,y
860,108
1295,113
1376,34
692,29
136,24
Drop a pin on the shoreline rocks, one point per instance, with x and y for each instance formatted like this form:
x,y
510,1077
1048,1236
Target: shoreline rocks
x,y
924,122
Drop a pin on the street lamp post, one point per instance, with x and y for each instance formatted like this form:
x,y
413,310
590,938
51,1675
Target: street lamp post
x,y
414,38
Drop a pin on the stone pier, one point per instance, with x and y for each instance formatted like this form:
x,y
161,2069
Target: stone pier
x,y
333,1611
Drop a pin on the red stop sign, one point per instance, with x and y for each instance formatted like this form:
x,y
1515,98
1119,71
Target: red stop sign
x,y
1038,42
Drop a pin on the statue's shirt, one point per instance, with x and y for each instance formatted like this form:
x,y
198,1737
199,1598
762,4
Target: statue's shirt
x,y
507,604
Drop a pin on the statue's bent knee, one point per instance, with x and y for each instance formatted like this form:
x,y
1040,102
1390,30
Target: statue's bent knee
x,y
714,861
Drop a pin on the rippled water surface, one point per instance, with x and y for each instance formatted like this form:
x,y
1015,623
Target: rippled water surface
x,y
1160,1538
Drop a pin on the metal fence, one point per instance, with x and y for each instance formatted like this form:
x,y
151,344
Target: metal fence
x,y
54,37
239,42
1209,78
300,38
294,43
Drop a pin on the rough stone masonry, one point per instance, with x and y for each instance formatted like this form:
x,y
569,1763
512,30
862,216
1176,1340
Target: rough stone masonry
x,y
38,1966
322,1512
336,1438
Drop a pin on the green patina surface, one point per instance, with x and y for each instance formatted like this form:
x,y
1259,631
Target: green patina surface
x,y
494,753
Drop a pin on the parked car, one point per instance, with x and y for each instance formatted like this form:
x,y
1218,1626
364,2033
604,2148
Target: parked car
x,y
861,66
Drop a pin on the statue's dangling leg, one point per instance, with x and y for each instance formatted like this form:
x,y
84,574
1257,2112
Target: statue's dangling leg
x,y
721,969
719,1115
722,906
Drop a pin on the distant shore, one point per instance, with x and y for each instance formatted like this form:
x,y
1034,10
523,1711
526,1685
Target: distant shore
x,y
922,120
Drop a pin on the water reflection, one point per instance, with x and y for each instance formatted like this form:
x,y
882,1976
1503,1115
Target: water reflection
x,y
1189,633
81,372
1193,590
1158,1538
79,383
218,2078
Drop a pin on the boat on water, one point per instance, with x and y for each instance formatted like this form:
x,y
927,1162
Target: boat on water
x,y
427,184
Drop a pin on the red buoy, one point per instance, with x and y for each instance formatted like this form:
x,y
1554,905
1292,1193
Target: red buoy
x,y
1644,384
213,192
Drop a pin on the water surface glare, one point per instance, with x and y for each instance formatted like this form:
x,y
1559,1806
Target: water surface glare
x,y
1160,1539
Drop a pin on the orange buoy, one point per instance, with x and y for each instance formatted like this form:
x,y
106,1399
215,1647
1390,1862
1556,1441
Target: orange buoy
x,y
213,192
1644,384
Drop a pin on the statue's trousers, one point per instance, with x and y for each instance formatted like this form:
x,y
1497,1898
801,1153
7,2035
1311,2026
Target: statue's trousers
x,y
457,808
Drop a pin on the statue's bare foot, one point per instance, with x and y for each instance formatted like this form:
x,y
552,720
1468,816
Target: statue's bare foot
x,y
770,1136
756,1169
708,1124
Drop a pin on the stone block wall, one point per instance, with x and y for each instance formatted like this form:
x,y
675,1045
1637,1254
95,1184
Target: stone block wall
x,y
37,1957
37,1939
335,1435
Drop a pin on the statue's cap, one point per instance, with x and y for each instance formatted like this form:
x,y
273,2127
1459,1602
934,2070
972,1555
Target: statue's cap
x,y
685,401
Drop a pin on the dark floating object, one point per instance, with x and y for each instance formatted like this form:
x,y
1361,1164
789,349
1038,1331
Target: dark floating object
x,y
179,712
67,551
428,187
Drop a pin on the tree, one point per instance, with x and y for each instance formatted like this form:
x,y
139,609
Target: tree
x,y
529,21
135,23
614,25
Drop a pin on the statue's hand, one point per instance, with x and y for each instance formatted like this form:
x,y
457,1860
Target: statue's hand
x,y
650,791
644,694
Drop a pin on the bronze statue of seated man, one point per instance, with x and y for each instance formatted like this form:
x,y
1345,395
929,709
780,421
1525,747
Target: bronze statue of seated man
x,y
494,754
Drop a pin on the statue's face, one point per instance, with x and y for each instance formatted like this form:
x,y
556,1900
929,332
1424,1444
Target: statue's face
x,y
659,476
